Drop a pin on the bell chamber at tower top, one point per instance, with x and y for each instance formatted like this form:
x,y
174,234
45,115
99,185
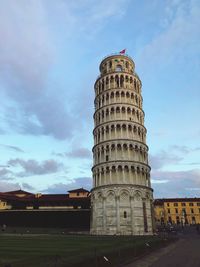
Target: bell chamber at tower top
x,y
117,63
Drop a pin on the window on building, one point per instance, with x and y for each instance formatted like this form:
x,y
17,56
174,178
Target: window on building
x,y
183,204
106,157
191,204
167,204
199,210
175,204
192,210
125,214
118,68
193,220
168,210
78,194
198,204
176,210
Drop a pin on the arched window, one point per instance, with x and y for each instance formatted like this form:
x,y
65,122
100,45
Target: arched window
x,y
102,85
118,68
125,214
113,169
121,81
117,80
117,110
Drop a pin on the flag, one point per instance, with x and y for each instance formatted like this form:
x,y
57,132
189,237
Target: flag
x,y
123,51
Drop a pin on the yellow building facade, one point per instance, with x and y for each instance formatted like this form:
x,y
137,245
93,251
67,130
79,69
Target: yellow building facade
x,y
177,211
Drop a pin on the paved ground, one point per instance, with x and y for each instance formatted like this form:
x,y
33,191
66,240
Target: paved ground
x,y
183,253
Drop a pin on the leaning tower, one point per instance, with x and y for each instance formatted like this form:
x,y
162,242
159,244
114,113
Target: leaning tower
x,y
121,197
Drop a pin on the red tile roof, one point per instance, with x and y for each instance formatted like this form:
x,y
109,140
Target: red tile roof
x,y
78,190
18,192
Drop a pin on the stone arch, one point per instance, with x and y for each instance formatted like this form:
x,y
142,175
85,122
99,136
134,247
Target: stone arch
x,y
113,147
137,195
130,127
113,168
124,127
126,168
107,80
110,196
121,80
118,127
117,80
119,146
124,196
134,84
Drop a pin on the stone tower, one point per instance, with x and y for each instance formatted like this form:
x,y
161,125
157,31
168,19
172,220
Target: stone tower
x,y
121,197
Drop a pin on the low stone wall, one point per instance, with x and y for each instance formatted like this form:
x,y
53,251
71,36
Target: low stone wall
x,y
73,219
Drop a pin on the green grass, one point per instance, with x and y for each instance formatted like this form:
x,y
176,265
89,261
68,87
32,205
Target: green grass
x,y
43,250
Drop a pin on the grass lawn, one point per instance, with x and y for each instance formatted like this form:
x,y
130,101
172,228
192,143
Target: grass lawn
x,y
42,250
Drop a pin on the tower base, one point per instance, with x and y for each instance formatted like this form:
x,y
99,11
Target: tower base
x,y
121,210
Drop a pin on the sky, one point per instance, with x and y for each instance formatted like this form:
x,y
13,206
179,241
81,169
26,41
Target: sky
x,y
50,53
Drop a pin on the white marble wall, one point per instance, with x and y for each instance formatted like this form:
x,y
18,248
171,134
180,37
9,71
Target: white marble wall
x,y
118,210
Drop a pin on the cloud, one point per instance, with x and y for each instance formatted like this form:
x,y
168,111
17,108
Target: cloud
x,y
180,33
82,153
90,16
79,153
26,186
6,174
27,55
58,188
184,149
154,181
14,148
177,183
162,159
6,186
33,167
168,157
30,52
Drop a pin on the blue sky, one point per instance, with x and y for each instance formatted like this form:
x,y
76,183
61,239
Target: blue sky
x,y
49,57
